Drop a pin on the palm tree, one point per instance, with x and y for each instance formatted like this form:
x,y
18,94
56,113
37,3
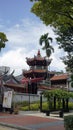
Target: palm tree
x,y
3,39
47,47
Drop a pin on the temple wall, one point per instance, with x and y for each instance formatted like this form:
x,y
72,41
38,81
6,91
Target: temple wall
x,y
20,97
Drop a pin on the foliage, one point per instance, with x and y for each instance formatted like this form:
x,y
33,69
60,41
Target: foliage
x,y
68,122
46,40
65,41
56,13
45,106
72,80
3,39
71,105
25,108
35,106
59,14
56,97
59,93
65,38
23,103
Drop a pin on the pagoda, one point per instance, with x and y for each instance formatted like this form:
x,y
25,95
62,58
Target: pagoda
x,y
38,68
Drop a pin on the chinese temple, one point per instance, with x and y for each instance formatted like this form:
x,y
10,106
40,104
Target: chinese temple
x,y
38,66
38,71
37,78
60,81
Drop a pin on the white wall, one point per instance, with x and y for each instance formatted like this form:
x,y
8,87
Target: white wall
x,y
19,97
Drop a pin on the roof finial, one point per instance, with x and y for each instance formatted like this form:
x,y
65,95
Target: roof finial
x,y
38,54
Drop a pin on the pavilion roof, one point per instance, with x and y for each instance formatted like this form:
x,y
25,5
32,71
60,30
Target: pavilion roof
x,y
31,80
60,77
35,71
38,59
14,85
44,88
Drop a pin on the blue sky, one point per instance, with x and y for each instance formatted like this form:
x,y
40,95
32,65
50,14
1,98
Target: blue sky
x,y
23,30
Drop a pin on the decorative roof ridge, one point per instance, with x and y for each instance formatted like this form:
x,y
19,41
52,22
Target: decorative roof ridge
x,y
60,76
38,57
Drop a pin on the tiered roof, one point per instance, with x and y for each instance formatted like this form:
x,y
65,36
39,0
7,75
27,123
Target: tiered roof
x,y
38,60
38,66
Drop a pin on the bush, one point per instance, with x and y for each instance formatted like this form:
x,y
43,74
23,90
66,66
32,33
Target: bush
x,y
34,107
24,108
45,106
24,103
71,105
68,122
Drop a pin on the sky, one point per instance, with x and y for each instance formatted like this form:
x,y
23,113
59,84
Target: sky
x,y
23,30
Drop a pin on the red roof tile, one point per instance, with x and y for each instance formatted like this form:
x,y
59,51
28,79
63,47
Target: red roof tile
x,y
44,87
59,77
14,85
36,70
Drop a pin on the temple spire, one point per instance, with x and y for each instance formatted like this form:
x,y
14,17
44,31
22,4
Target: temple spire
x,y
38,54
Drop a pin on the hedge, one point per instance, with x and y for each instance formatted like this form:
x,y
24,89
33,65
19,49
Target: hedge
x,y
68,122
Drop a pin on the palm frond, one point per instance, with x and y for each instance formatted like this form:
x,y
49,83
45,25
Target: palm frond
x,y
47,47
50,39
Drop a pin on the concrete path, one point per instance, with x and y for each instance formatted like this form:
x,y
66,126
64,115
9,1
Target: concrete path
x,y
31,121
6,128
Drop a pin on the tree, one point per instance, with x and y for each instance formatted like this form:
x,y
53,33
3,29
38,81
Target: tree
x,y
65,38
65,41
3,39
59,95
59,14
46,40
54,12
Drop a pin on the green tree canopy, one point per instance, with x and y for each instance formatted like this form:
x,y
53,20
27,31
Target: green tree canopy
x,y
65,41
54,12
59,14
3,39
58,93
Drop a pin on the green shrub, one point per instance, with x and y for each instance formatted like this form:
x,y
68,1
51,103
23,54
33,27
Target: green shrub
x,y
45,106
71,105
24,103
68,122
34,107
26,108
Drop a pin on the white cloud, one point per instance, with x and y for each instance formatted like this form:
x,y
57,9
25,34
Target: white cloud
x,y
15,60
24,42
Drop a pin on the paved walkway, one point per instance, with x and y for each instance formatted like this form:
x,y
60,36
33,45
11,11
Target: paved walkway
x,y
6,128
31,121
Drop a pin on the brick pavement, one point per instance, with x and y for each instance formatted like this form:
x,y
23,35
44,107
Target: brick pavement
x,y
31,122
